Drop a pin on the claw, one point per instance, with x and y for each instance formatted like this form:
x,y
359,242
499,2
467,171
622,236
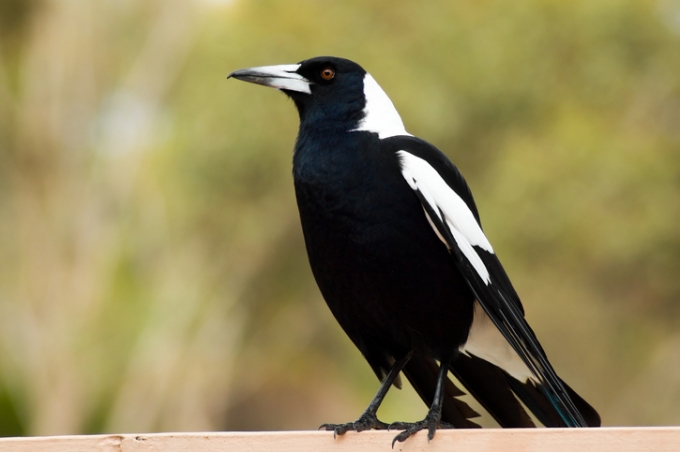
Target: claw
x,y
430,423
335,428
367,421
400,437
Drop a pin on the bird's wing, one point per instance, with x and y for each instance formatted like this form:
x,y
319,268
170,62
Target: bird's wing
x,y
450,209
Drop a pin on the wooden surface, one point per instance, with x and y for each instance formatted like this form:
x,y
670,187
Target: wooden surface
x,y
526,440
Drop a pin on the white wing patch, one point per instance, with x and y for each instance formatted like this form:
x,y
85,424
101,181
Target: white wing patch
x,y
458,217
380,116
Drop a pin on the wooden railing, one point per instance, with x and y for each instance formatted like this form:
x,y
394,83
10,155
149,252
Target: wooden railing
x,y
653,439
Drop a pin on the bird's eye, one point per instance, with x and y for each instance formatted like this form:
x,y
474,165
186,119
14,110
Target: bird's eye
x,y
327,73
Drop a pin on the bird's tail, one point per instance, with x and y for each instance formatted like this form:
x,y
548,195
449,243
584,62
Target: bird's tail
x,y
422,373
488,384
501,395
498,393
542,407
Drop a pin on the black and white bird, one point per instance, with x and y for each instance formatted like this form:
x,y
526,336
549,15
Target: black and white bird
x,y
397,249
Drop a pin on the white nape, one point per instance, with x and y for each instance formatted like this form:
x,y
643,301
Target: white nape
x,y
457,215
486,342
380,116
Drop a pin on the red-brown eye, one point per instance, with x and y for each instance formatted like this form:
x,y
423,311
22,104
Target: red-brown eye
x,y
327,73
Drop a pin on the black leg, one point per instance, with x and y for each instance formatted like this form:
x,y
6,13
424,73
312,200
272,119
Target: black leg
x,y
369,420
433,417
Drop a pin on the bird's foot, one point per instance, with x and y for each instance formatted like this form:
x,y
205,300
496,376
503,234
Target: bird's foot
x,y
431,423
367,421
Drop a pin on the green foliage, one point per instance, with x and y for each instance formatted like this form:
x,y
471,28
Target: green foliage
x,y
152,269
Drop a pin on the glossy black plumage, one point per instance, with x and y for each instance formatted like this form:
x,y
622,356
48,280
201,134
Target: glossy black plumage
x,y
395,244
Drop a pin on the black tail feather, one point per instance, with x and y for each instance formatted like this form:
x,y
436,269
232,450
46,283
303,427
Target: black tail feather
x,y
589,413
538,403
422,373
487,383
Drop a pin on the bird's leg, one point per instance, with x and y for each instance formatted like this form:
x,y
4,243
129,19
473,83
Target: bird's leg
x,y
369,419
433,417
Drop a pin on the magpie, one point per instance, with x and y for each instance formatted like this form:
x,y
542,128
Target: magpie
x,y
396,246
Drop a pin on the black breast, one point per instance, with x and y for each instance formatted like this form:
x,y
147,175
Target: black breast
x,y
388,279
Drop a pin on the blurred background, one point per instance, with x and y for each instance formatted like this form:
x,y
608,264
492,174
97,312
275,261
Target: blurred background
x,y
153,275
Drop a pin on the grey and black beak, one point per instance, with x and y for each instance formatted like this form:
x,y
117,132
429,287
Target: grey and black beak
x,y
281,77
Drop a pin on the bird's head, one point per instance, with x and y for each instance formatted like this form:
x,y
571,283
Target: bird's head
x,y
331,92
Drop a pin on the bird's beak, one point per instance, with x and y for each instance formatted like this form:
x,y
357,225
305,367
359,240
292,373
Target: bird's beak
x,y
280,77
